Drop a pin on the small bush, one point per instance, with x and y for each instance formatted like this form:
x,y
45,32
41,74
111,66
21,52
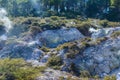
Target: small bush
x,y
54,17
45,49
74,69
84,28
55,62
113,77
35,30
70,55
104,23
115,34
18,69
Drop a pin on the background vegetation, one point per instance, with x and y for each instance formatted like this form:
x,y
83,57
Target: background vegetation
x,y
102,9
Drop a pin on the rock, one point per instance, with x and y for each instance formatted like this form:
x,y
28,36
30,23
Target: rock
x,y
104,68
35,63
104,32
52,38
18,29
100,33
37,53
45,58
118,76
114,63
50,74
2,30
98,58
19,49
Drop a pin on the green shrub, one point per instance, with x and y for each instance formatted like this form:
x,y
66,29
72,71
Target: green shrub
x,y
70,55
113,77
45,49
84,45
18,69
73,69
84,27
54,62
104,23
54,18
98,41
63,46
35,30
61,78
115,34
96,77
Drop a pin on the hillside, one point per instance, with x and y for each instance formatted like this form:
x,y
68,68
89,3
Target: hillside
x,y
59,40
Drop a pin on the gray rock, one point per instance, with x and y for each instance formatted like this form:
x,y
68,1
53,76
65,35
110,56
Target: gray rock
x,y
52,38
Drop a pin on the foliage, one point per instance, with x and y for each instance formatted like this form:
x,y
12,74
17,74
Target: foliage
x,y
106,23
84,27
115,34
18,69
113,77
55,22
55,62
102,9
45,49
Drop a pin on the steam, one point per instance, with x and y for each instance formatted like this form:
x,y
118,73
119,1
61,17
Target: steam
x,y
6,21
92,30
3,37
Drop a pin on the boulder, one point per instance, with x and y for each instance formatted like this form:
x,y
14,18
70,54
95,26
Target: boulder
x,y
2,30
52,38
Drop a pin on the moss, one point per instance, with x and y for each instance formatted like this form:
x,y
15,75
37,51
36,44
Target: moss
x,y
18,69
106,23
61,78
45,49
98,41
54,18
35,30
55,62
115,34
56,22
70,55
96,77
84,45
64,46
113,77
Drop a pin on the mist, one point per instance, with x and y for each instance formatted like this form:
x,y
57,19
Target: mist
x,y
5,22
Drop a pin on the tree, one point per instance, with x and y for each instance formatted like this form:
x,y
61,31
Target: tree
x,y
114,13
